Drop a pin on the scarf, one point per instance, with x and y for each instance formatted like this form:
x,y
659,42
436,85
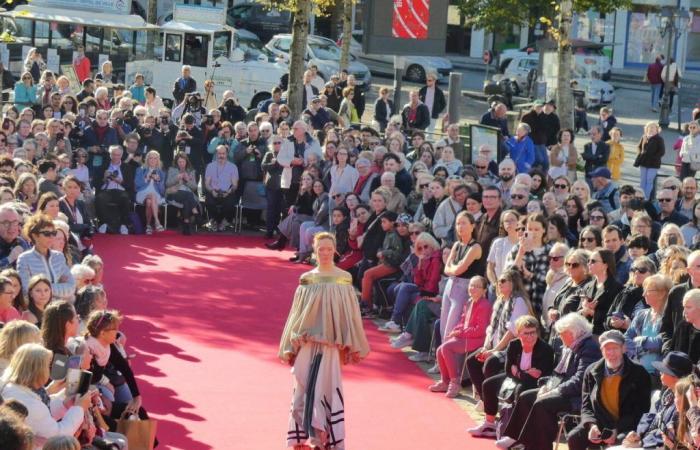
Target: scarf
x,y
99,352
44,396
568,353
502,311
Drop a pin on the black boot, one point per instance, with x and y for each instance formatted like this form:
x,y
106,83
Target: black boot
x,y
279,244
186,228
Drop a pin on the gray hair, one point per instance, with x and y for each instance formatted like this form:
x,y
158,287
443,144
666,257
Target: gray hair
x,y
82,272
579,255
93,261
363,162
428,240
574,323
114,148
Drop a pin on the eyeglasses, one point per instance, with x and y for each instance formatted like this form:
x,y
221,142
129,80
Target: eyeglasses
x,y
337,196
415,233
482,167
421,247
276,143
555,258
141,115
641,270
671,188
47,233
423,186
561,186
517,196
573,265
587,239
664,200
9,223
502,281
597,217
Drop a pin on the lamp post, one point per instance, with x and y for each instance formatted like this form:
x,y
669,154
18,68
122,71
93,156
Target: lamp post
x,y
674,22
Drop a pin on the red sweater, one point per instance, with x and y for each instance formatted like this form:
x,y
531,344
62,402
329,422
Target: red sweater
x,y
474,332
427,273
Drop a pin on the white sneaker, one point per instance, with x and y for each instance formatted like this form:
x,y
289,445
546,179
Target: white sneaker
x,y
479,406
102,229
505,442
486,429
402,341
420,357
123,230
390,327
434,369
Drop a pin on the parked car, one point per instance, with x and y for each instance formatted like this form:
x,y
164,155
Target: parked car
x,y
416,66
588,58
325,54
261,19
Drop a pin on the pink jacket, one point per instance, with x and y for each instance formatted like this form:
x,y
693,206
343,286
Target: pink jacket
x,y
474,332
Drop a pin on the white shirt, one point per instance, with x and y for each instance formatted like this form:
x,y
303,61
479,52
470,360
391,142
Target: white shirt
x,y
500,249
526,361
430,98
309,93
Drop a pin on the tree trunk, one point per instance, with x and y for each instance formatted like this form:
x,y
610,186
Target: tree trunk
x,y
565,98
297,56
347,34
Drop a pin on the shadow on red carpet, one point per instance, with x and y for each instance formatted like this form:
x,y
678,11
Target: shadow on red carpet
x,y
204,317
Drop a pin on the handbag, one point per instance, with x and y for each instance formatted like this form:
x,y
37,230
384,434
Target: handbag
x,y
141,434
507,391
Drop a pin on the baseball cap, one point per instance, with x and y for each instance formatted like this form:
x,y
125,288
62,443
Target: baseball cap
x,y
601,172
613,336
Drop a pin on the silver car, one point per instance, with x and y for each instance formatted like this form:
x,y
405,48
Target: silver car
x,y
415,69
325,54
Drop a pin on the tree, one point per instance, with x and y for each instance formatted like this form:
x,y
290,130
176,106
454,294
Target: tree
x,y
500,15
347,34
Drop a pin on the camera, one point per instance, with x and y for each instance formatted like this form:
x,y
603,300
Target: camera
x,y
60,136
165,121
606,434
209,119
114,174
181,145
120,121
230,103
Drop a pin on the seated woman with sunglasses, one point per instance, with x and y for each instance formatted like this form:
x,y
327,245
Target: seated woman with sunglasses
x,y
597,218
41,260
601,291
629,301
591,238
568,298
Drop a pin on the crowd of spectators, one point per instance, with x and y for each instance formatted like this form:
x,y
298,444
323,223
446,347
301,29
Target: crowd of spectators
x,y
526,270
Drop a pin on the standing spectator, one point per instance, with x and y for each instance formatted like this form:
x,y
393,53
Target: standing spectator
x,y
138,89
81,64
607,122
25,91
595,153
273,191
550,122
107,76
34,64
690,151
605,191
310,91
88,90
114,196
563,156
521,148
97,139
617,153
653,77
184,85
685,337
496,117
347,112
538,134
432,97
383,108
359,98
671,76
650,150
153,102
415,115
220,183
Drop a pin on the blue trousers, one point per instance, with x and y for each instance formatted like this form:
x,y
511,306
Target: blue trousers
x,y
403,295
647,182
541,157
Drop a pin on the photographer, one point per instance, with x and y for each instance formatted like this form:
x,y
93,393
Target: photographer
x,y
120,125
231,111
220,182
194,144
193,106
248,157
97,138
169,131
224,137
113,200
210,128
151,137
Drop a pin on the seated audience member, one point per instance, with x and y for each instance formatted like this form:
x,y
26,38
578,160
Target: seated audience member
x,y
181,190
467,335
11,243
12,336
38,297
685,337
89,299
511,303
601,291
48,204
96,264
60,323
62,443
300,212
616,392
424,281
49,176
220,183
319,222
630,300
8,312
26,191
114,196
353,253
41,260
82,274
18,301
150,189
25,379
557,277
535,419
15,434
528,358
64,243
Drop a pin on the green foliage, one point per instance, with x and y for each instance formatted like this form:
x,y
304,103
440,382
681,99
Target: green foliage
x,y
320,7
500,15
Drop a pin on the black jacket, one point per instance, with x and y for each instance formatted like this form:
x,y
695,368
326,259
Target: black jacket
x,y
673,312
538,133
439,102
272,170
380,112
635,397
605,298
374,237
542,359
420,122
80,229
600,159
686,339
583,355
179,92
551,125
490,120
625,302
650,152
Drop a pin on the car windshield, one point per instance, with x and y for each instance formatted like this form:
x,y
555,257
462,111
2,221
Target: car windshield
x,y
252,48
325,51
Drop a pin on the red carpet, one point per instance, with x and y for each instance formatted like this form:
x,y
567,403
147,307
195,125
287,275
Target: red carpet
x,y
204,317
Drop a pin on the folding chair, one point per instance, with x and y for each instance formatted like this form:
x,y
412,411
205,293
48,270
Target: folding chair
x,y
253,198
563,417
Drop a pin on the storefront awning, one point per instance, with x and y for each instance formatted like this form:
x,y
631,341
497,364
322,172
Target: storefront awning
x,y
85,18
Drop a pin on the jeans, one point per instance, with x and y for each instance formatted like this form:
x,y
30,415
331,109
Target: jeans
x,y
453,301
275,202
307,230
404,295
541,157
655,95
648,175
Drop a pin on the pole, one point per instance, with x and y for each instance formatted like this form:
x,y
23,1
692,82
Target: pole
x,y
454,95
398,74
666,99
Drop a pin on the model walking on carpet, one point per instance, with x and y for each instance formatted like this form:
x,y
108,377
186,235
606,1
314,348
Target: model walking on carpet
x,y
324,330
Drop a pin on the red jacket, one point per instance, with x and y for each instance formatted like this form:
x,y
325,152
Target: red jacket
x,y
654,73
474,332
427,274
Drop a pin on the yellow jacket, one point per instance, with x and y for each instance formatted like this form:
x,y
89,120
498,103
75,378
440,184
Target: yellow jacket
x,y
616,158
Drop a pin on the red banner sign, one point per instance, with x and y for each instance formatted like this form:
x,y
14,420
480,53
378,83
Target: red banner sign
x,y
411,18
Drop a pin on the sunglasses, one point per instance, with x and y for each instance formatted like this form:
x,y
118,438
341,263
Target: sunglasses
x,y
517,196
337,196
423,186
482,167
665,200
641,270
573,265
502,281
672,188
555,258
415,233
597,217
276,143
421,247
520,229
48,233
587,239
561,186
